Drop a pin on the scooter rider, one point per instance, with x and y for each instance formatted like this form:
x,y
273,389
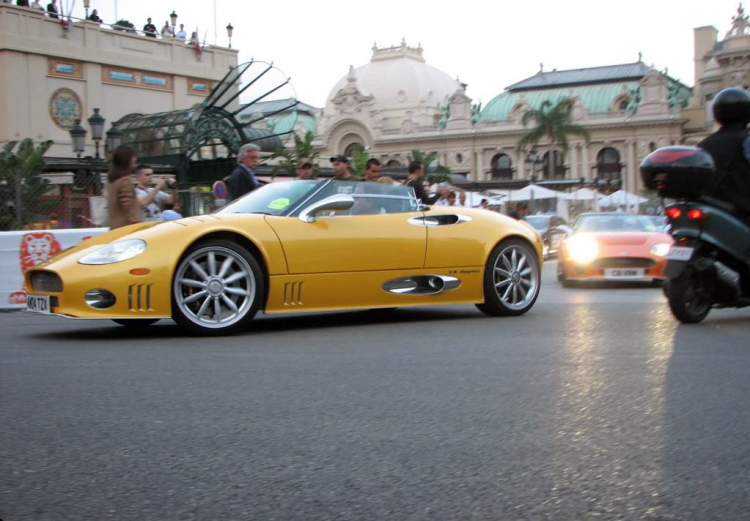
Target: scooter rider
x,y
730,148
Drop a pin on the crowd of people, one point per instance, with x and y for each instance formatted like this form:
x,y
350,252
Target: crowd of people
x,y
51,9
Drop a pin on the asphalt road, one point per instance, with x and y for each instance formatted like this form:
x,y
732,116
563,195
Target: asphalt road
x,y
594,405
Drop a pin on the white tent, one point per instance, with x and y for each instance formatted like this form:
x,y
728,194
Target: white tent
x,y
622,198
583,194
530,192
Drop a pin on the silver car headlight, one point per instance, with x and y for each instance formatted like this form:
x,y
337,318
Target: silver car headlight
x,y
116,252
660,249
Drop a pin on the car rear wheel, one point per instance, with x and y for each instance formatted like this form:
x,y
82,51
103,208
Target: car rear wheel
x,y
217,288
512,279
135,322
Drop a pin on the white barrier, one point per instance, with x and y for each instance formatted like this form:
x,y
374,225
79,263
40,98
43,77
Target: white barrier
x,y
22,250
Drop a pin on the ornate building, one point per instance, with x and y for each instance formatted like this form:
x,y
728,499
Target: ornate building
x,y
718,65
397,103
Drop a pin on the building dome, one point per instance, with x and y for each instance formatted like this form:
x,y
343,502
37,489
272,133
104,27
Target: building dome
x,y
713,69
397,78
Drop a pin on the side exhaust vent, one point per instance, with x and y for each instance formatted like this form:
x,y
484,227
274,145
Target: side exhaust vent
x,y
139,297
293,294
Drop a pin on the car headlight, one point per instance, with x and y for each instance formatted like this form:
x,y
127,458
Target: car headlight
x,y
582,249
660,249
116,252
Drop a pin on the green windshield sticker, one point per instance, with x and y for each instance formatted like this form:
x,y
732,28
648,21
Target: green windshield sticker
x,y
279,204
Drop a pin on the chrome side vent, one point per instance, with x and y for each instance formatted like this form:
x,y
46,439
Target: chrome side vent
x,y
293,294
422,285
139,297
46,282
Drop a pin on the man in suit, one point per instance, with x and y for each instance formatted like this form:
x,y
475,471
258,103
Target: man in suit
x,y
52,9
242,180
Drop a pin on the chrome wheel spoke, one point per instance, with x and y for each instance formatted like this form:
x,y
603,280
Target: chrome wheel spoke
x,y
507,292
527,282
225,267
229,303
515,294
192,283
211,263
235,277
196,267
514,259
521,263
522,291
217,310
502,283
193,298
526,272
507,263
237,291
502,272
203,308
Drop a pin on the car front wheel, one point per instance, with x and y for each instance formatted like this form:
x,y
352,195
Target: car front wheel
x,y
512,279
217,288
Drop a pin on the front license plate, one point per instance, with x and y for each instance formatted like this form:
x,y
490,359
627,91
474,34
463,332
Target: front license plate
x,y
624,273
37,303
680,253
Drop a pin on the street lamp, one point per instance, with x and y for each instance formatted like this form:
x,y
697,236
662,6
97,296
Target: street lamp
x,y
114,138
96,122
78,138
229,33
173,17
87,4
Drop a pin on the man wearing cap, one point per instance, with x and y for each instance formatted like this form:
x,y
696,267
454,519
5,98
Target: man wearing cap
x,y
304,169
341,169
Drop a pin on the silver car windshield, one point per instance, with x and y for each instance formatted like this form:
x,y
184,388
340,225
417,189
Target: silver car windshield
x,y
273,198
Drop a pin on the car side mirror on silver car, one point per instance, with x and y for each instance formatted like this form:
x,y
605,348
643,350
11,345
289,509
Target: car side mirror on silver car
x,y
334,203
562,229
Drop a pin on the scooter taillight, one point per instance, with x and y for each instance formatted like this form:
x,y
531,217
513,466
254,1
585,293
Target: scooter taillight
x,y
673,213
696,215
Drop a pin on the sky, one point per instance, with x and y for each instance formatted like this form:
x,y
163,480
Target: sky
x,y
487,44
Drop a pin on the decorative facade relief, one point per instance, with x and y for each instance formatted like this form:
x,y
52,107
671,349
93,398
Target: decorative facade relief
x,y
654,98
349,100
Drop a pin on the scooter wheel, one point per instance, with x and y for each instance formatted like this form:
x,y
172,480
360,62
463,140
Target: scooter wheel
x,y
687,301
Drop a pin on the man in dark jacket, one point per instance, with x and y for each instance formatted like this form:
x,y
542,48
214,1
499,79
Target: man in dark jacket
x,y
242,180
52,9
730,149
415,180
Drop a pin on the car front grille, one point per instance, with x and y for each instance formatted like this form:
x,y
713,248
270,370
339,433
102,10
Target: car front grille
x,y
623,262
46,282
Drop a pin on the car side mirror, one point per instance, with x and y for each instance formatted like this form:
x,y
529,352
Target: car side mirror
x,y
335,203
562,229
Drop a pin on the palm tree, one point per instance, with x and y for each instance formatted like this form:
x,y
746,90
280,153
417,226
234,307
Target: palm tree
x,y
439,172
555,122
20,182
289,157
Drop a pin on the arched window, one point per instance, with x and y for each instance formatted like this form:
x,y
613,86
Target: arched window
x,y
608,164
559,166
349,150
502,167
393,163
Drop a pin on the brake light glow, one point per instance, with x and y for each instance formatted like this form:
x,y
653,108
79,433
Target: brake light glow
x,y
695,214
673,213
668,156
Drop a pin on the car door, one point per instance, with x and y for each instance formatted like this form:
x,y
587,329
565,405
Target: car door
x,y
344,242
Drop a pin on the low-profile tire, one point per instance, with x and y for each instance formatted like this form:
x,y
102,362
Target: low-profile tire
x,y
217,288
512,279
686,300
135,322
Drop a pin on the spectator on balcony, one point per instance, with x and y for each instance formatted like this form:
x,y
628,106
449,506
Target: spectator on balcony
x,y
181,34
166,31
37,6
95,17
22,3
52,9
150,29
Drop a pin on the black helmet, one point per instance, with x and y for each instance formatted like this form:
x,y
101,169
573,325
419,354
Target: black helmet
x,y
732,107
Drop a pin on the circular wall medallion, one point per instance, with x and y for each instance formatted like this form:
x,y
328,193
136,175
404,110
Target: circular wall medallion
x,y
65,107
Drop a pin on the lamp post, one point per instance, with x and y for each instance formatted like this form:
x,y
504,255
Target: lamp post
x,y
229,33
114,138
87,4
78,138
96,122
173,17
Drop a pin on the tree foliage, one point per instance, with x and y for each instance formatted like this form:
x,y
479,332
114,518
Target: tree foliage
x,y
434,171
20,182
554,122
290,156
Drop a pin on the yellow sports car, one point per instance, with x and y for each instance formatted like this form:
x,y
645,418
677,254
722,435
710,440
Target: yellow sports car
x,y
290,247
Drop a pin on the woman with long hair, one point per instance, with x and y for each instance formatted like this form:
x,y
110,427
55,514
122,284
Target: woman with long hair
x,y
121,200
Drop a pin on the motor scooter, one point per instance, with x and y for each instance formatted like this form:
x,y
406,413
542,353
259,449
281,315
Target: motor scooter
x,y
709,263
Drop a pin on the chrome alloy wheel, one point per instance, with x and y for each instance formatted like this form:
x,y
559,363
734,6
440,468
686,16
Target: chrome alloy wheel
x,y
214,287
516,281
